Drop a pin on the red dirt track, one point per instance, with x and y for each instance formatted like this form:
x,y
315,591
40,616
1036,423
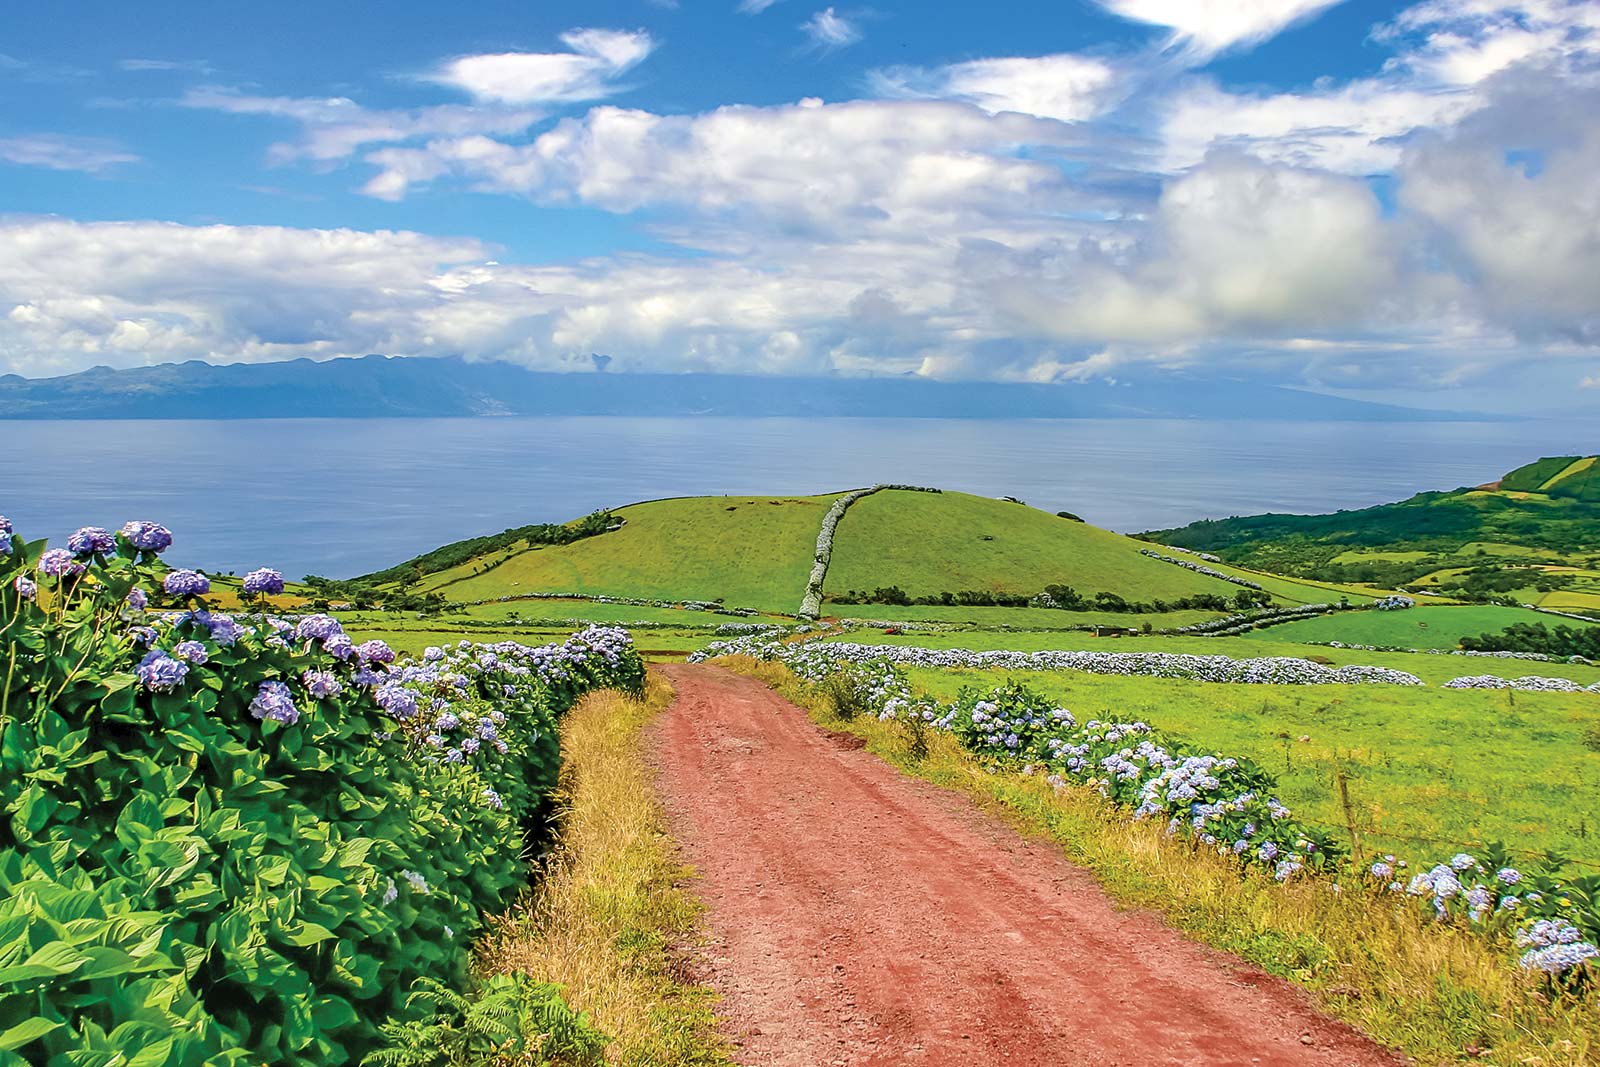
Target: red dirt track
x,y
859,917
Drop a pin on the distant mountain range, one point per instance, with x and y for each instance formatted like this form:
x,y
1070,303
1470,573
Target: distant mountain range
x,y
389,387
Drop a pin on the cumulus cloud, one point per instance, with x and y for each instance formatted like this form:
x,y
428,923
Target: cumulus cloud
x,y
588,72
1236,248
1203,28
55,151
1510,201
1067,87
823,168
828,29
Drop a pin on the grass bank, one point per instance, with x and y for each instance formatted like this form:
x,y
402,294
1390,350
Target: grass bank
x,y
1440,994
610,921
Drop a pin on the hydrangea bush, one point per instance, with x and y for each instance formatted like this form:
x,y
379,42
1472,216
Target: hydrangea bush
x,y
243,840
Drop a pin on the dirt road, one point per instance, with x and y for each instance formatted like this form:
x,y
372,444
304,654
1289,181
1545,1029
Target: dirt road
x,y
863,918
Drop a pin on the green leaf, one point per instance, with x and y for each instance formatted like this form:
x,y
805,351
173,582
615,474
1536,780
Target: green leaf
x,y
28,1030
55,959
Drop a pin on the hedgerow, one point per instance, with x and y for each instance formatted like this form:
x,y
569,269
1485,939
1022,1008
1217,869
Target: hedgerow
x,y
244,840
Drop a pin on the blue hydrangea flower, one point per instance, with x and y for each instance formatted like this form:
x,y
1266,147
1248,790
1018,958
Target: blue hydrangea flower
x,y
147,536
137,600
192,651
26,587
59,563
318,628
375,652
224,630
185,583
322,684
274,701
87,540
339,646
397,700
160,673
263,582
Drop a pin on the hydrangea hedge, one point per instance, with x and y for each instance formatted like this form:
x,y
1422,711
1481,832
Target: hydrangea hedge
x,y
243,840
1220,802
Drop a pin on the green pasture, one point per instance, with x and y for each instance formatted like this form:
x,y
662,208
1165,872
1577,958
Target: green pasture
x,y
929,543
556,610
1007,618
1431,668
751,552
1425,626
1429,771
412,639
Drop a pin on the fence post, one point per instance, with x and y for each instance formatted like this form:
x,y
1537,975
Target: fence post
x,y
1349,816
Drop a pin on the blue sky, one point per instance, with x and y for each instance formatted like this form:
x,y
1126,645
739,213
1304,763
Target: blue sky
x,y
1382,199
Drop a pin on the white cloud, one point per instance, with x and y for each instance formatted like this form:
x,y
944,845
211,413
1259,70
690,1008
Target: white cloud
x,y
1203,28
828,29
1591,382
854,167
588,72
185,66
755,7
1522,233
1067,87
60,152
1237,248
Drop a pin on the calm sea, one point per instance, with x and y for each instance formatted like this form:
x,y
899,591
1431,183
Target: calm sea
x,y
340,497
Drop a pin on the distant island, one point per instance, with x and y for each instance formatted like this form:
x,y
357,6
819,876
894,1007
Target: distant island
x,y
425,387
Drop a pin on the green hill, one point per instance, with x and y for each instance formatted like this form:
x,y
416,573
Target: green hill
x,y
1531,536
757,552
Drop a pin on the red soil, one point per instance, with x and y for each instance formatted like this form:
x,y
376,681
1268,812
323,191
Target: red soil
x,y
860,917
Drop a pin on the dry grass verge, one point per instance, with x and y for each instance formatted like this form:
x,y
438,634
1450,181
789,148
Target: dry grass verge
x,y
610,921
1440,994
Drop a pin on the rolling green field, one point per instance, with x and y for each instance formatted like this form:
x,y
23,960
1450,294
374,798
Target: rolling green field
x,y
1424,626
1429,771
1012,618
558,610
751,552
928,543
1433,669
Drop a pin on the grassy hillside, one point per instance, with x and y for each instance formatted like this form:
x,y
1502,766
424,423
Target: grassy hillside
x,y
927,543
748,551
1421,627
1515,539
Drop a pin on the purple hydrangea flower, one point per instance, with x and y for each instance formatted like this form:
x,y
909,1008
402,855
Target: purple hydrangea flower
x,y
318,628
366,676
263,582
186,583
87,540
375,652
192,651
274,701
145,635
397,700
491,798
5,536
224,631
26,587
59,563
137,599
147,536
160,673
321,684
339,646
433,653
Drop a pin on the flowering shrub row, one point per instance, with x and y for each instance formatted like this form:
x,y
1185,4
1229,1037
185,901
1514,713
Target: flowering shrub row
x,y
1218,801
1243,622
712,606
1394,603
1209,572
242,840
1222,802
1272,670
1531,683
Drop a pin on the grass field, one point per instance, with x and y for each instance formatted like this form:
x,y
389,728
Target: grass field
x,y
542,609
1420,627
1428,770
1433,669
928,543
1040,618
752,552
